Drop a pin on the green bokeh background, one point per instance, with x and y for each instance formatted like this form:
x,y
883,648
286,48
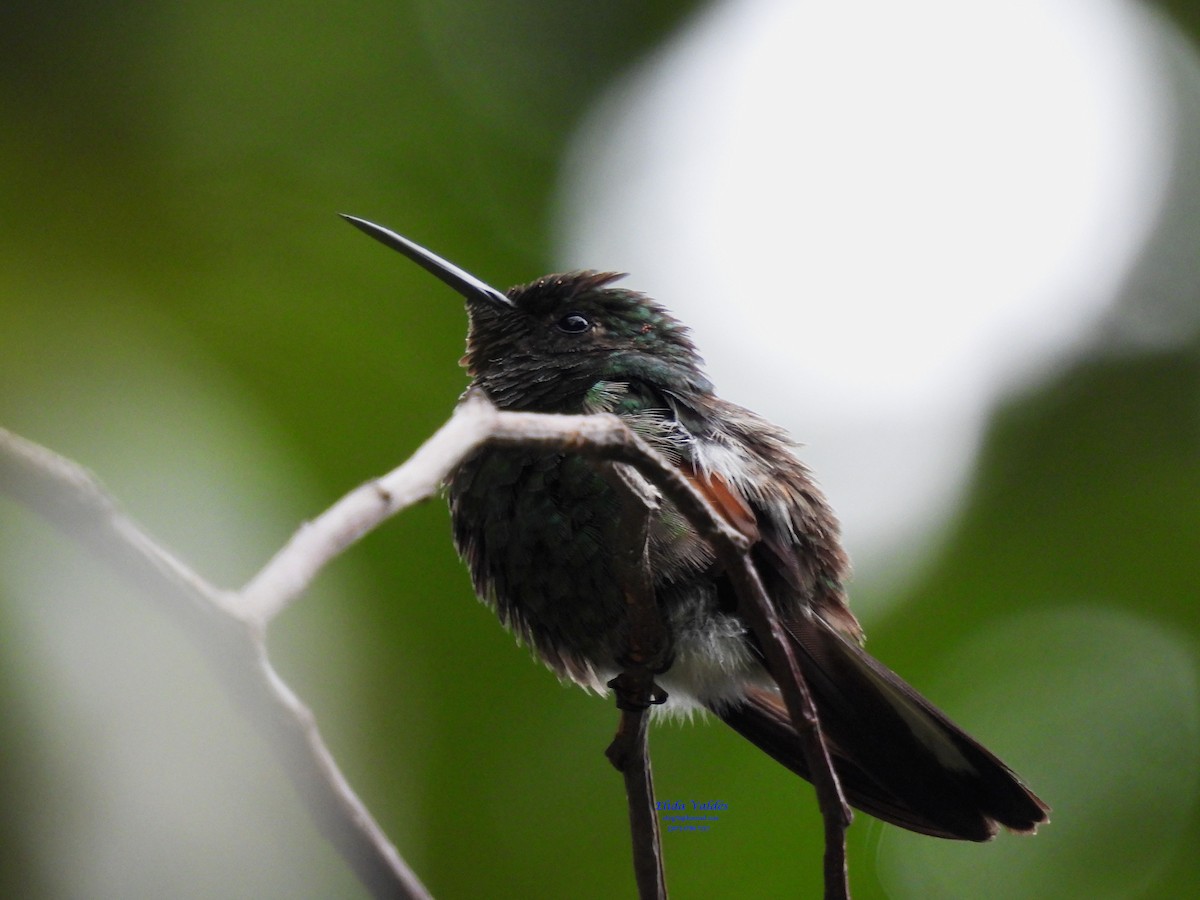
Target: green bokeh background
x,y
177,296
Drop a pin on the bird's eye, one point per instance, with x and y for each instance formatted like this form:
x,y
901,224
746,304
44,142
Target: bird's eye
x,y
573,323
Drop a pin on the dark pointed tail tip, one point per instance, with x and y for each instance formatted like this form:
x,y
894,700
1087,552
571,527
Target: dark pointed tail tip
x,y
1026,830
1033,814
464,282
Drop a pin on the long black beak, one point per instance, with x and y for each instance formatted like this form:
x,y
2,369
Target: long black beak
x,y
463,282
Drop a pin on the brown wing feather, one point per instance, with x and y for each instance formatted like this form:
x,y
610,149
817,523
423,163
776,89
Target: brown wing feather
x,y
724,498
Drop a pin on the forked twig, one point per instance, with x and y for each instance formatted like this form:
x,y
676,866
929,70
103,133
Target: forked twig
x,y
755,607
73,500
230,625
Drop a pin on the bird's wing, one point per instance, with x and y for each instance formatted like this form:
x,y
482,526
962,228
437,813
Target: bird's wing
x,y
898,756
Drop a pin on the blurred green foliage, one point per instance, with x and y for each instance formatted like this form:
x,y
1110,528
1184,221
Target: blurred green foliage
x,y
169,176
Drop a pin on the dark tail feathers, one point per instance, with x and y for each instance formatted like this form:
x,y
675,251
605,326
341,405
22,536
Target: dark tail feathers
x,y
898,757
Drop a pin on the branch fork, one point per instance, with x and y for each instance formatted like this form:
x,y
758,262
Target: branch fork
x,y
231,625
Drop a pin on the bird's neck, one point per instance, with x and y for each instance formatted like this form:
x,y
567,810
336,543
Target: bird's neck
x,y
587,384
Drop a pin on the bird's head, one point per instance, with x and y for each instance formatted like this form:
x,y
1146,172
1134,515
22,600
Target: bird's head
x,y
543,345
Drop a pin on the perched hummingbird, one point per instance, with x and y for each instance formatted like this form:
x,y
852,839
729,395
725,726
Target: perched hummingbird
x,y
538,531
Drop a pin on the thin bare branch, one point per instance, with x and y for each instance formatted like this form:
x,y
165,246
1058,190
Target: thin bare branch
x,y
630,755
318,542
73,500
756,608
475,422
230,625
634,688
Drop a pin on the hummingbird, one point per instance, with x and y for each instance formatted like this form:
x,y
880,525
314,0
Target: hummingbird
x,y
538,531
